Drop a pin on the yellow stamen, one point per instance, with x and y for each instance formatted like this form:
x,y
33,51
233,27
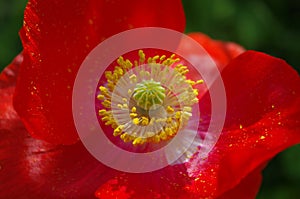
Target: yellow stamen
x,y
136,121
153,92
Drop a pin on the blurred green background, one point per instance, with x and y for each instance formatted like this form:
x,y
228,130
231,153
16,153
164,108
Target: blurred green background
x,y
271,26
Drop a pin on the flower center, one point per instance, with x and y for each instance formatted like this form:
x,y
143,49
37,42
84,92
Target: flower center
x,y
147,102
149,93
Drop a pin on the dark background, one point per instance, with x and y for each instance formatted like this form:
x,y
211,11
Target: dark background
x,y
270,26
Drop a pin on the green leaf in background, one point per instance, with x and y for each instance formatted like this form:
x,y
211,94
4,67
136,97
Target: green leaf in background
x,y
11,14
270,26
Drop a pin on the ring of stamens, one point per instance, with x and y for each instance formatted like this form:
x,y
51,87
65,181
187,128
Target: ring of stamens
x,y
147,102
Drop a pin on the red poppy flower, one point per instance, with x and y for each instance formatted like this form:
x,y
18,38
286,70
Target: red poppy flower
x,y
47,160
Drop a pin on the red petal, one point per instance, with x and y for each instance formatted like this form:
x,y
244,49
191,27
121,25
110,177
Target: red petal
x,y
215,54
57,36
221,52
35,169
31,168
8,116
166,183
9,74
258,84
263,118
171,182
247,188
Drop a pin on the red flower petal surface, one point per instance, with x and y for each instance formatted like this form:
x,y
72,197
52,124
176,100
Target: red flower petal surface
x,y
31,168
247,188
57,35
263,98
221,52
263,119
165,183
8,116
259,87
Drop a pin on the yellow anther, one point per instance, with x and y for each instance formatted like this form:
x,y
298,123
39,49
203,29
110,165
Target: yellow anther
x,y
128,64
168,131
190,82
167,62
142,56
133,110
176,60
114,125
138,141
100,97
145,121
106,103
195,92
169,120
118,130
102,112
183,71
103,89
125,137
120,60
163,135
200,81
118,70
172,132
110,86
115,77
181,67
108,75
124,64
170,110
105,118
178,115
133,115
163,57
136,121
155,58
110,122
